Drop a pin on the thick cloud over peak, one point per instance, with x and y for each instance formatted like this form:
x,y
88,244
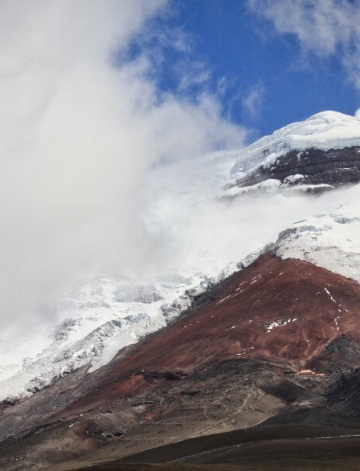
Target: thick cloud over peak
x,y
78,138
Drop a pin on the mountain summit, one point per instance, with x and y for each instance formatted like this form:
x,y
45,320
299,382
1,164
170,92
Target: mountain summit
x,y
316,155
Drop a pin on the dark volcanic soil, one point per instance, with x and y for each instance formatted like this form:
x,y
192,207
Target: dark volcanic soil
x,y
261,448
254,444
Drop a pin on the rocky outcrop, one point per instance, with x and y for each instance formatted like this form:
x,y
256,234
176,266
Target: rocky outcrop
x,y
334,167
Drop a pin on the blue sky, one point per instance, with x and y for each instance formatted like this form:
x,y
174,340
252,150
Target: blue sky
x,y
264,78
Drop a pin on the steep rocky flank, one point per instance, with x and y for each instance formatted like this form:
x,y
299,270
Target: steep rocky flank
x,y
334,167
230,362
280,309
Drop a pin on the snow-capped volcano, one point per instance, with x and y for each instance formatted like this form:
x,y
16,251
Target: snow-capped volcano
x,y
212,237
268,285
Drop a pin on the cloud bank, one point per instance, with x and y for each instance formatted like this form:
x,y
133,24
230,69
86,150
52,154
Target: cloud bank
x,y
82,130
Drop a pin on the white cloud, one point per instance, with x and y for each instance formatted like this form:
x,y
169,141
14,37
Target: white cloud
x,y
79,139
323,27
253,101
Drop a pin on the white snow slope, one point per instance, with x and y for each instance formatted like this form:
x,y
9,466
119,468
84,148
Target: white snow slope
x,y
331,240
205,238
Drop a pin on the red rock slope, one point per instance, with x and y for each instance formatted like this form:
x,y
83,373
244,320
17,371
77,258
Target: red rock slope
x,y
286,310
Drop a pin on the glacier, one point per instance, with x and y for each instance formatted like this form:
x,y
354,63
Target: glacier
x,y
326,130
